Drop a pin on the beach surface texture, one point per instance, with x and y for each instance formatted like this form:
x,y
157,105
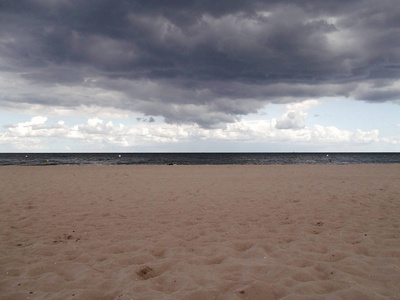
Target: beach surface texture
x,y
200,232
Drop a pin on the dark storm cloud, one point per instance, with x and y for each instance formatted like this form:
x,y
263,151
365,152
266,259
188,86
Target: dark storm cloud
x,y
204,61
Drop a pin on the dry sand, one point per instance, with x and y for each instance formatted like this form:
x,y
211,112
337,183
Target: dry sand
x,y
200,232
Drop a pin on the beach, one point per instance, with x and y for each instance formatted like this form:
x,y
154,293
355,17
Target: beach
x,y
200,232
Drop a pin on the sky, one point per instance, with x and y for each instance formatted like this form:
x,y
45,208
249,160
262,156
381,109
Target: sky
x,y
199,75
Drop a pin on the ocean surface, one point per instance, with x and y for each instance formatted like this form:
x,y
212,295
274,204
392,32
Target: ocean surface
x,y
48,159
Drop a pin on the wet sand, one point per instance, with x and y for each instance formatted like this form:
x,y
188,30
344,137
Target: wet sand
x,y
200,232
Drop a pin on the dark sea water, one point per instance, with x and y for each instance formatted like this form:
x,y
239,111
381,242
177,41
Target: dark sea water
x,y
46,159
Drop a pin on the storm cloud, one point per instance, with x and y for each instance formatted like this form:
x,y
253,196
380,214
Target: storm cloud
x,y
200,61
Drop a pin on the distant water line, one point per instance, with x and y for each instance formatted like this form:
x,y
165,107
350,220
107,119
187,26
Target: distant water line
x,y
51,159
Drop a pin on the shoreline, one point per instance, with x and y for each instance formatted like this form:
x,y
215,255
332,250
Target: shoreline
x,y
207,165
200,231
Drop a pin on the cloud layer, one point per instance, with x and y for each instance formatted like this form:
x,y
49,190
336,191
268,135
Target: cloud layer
x,y
40,135
197,61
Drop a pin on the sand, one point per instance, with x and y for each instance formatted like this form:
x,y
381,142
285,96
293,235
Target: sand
x,y
200,232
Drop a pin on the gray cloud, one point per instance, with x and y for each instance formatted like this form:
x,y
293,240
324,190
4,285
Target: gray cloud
x,y
201,61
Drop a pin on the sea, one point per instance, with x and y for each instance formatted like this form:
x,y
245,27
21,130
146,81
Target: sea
x,y
51,159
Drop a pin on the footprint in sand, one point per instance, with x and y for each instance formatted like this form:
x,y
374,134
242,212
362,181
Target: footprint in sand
x,y
146,273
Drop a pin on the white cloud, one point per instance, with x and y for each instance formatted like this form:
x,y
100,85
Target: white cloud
x,y
291,120
21,143
38,120
294,116
37,134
